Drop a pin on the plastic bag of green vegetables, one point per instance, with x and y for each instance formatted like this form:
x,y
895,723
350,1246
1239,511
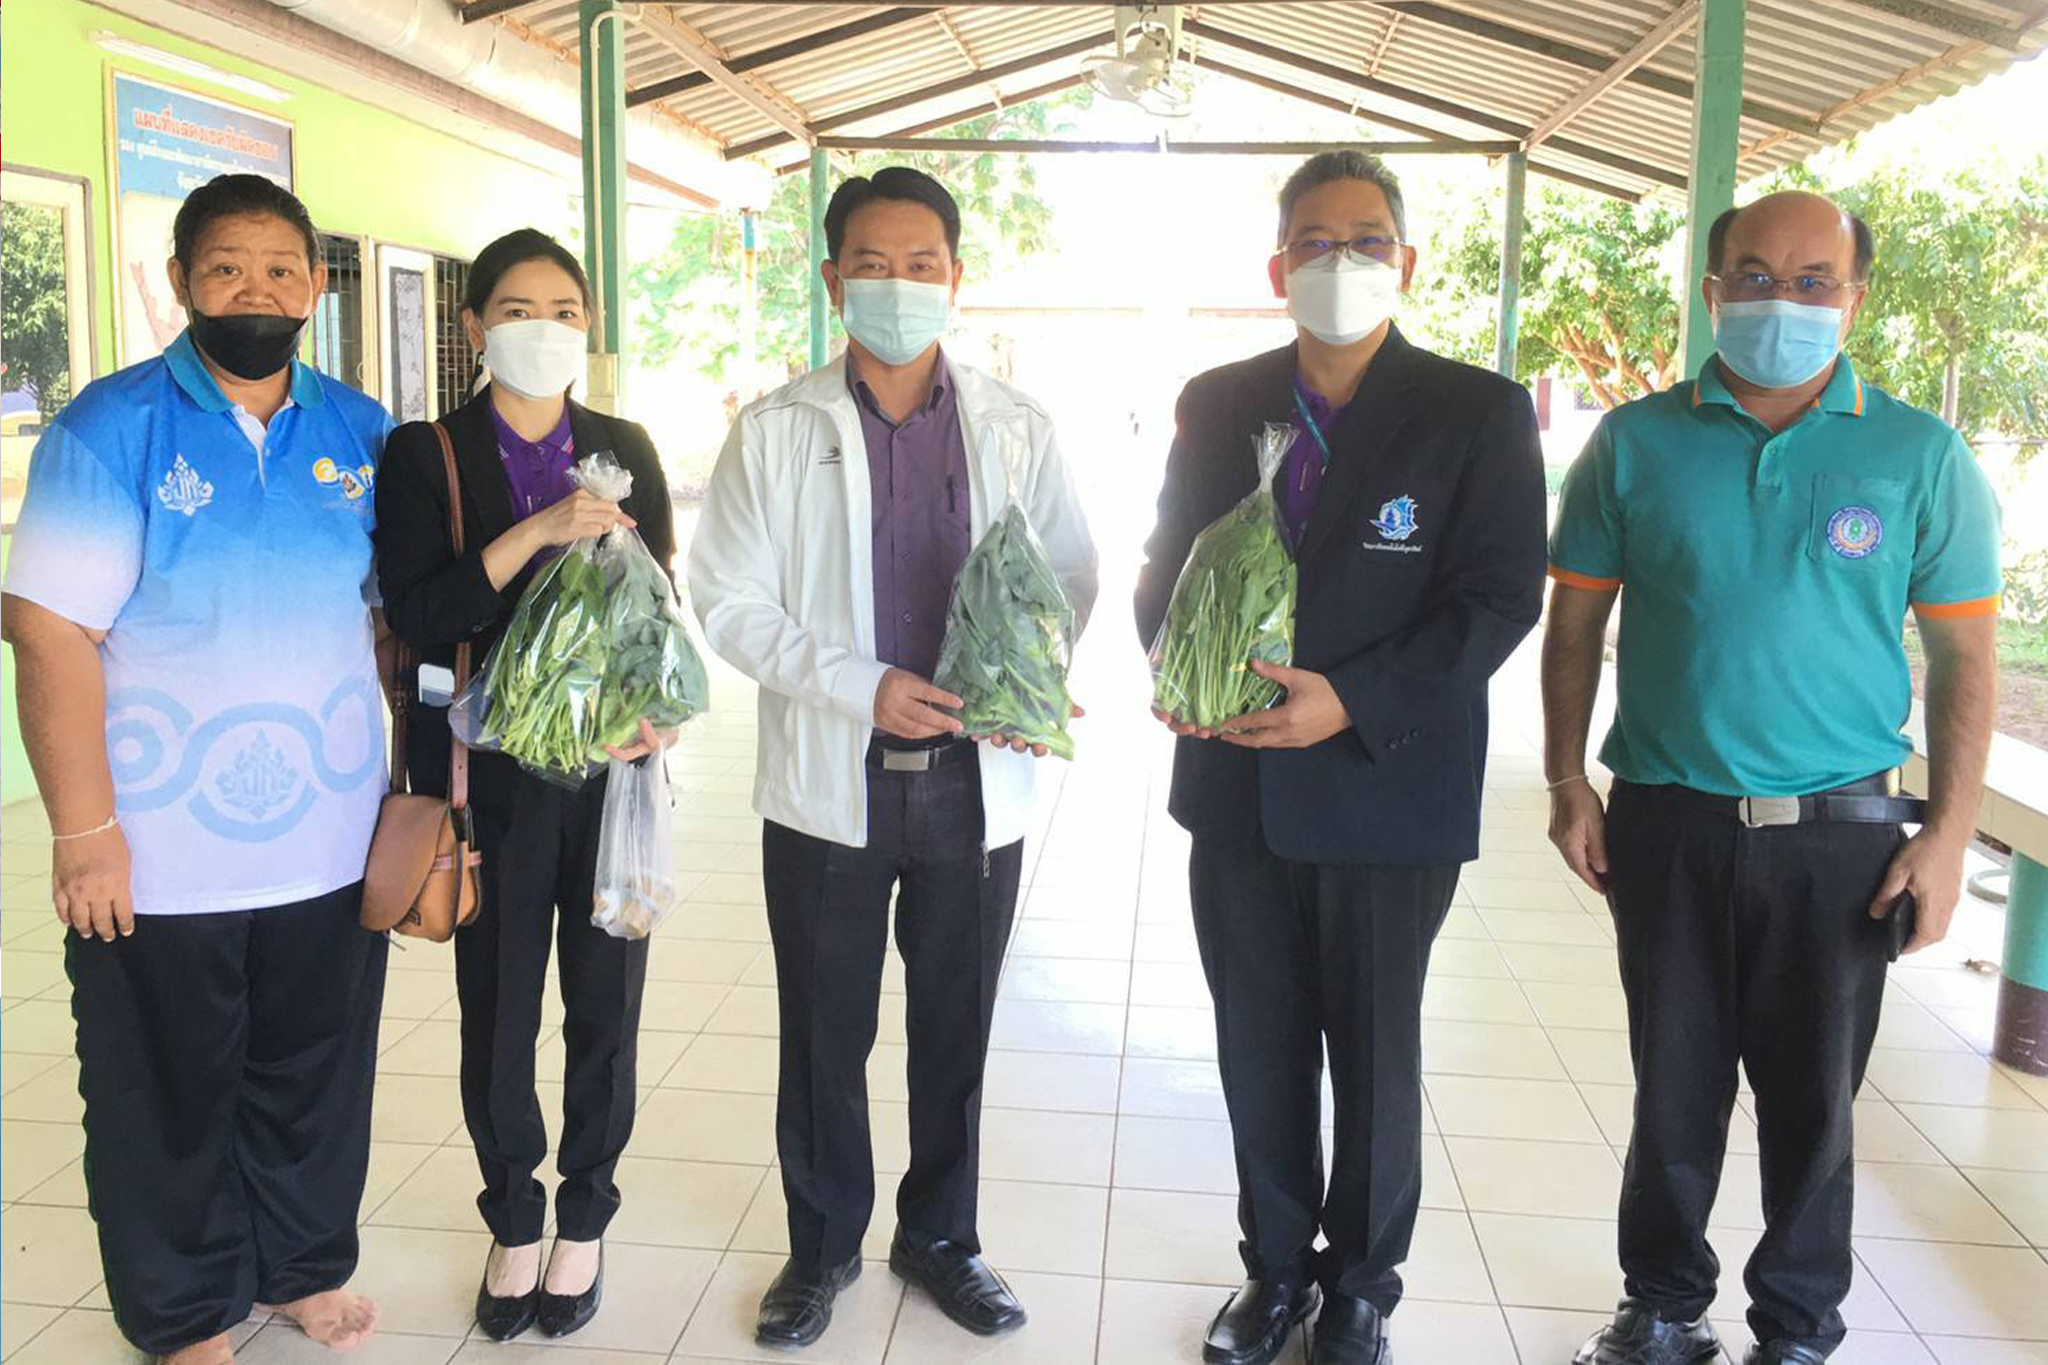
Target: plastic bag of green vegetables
x,y
595,644
1233,603
1010,636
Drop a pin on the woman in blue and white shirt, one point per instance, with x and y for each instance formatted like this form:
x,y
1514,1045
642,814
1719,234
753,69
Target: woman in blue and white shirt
x,y
188,602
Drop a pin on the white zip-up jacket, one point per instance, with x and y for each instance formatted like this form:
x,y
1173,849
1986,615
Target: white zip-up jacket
x,y
781,576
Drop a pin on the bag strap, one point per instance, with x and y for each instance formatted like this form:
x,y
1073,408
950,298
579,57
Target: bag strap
x,y
458,752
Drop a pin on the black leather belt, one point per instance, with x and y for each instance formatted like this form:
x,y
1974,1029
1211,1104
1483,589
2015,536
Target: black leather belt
x,y
1869,801
920,759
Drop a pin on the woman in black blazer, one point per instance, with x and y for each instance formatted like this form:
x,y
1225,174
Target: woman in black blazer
x,y
527,312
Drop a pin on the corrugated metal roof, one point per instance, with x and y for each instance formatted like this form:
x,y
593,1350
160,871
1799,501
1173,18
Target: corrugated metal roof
x,y
1818,71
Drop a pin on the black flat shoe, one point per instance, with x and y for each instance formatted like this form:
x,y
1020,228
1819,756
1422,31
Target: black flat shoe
x,y
1253,1327
960,1283
1349,1331
1783,1353
505,1318
561,1314
797,1308
1637,1336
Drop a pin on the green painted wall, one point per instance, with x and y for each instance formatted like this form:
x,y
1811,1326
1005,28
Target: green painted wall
x,y
359,169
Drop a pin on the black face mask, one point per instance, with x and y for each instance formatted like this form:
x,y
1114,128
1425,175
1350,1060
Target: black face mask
x,y
247,345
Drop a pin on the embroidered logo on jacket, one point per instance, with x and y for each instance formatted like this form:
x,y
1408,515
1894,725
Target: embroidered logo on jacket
x,y
355,484
1397,519
183,490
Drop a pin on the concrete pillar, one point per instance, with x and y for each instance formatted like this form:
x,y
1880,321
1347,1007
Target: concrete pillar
x,y
603,37
820,313
1508,334
2020,1038
1716,136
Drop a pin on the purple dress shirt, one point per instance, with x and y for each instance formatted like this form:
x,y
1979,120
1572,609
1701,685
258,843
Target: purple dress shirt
x,y
921,518
538,471
1301,472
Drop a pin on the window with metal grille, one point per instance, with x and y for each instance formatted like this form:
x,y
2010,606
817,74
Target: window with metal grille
x,y
334,342
454,361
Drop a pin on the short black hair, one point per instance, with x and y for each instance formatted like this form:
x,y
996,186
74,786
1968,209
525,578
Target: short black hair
x,y
1324,167
1865,250
906,184
234,196
516,248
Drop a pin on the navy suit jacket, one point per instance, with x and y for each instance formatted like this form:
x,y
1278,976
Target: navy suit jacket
x,y
1408,630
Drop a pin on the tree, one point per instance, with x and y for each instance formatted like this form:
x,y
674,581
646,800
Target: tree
x,y
689,296
1596,288
34,323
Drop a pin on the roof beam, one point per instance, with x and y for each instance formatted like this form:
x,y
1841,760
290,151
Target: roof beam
x,y
1641,170
1164,145
693,47
933,125
1946,19
1570,54
1330,102
781,52
982,76
477,10
1653,42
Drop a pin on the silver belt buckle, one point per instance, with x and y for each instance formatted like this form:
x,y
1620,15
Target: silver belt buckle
x,y
907,760
1758,812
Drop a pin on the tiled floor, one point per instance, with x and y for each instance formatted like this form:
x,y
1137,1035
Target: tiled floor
x,y
1108,1181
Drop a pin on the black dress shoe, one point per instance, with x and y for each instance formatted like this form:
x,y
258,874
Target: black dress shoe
x,y
505,1318
1637,1336
1349,1331
1254,1326
1782,1353
961,1283
797,1308
561,1314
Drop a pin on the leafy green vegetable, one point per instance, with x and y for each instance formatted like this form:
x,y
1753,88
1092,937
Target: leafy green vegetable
x,y
1009,639
1233,603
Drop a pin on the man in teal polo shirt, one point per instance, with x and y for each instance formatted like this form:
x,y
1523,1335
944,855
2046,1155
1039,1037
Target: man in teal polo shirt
x,y
1773,521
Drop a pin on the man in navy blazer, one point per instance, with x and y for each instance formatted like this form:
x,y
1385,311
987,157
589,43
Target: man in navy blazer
x,y
1328,831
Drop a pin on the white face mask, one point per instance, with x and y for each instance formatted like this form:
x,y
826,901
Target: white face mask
x,y
1341,298
895,319
536,357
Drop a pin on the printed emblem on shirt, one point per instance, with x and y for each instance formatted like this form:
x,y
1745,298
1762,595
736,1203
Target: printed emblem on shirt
x,y
258,780
1855,532
1396,524
183,490
831,456
355,484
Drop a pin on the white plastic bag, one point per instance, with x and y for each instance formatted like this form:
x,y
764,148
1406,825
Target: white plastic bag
x,y
636,864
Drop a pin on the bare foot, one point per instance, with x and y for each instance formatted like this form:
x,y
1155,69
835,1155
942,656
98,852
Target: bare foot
x,y
337,1319
212,1351
573,1267
512,1272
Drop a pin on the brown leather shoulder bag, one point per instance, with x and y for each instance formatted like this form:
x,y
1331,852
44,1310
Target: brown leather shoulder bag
x,y
423,874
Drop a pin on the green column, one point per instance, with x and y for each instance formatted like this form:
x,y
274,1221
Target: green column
x,y
820,316
2019,1036
603,75
1716,137
1509,334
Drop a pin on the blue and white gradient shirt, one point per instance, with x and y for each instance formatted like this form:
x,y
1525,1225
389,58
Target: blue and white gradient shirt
x,y
229,566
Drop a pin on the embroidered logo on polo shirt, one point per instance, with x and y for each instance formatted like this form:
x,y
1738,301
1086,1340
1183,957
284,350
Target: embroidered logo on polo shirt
x,y
183,490
1855,532
355,484
1397,519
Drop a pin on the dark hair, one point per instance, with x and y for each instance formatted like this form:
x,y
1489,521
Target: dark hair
x,y
1324,167
231,196
516,248
1865,251
904,184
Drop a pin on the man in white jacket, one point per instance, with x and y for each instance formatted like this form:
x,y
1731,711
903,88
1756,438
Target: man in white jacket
x,y
841,510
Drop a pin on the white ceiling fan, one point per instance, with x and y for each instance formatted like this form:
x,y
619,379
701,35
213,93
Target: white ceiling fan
x,y
1145,69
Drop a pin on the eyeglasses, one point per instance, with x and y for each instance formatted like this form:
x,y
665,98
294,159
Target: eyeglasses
x,y
1748,286
1373,247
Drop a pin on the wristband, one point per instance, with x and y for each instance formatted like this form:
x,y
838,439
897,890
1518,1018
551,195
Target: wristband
x,y
1567,781
112,821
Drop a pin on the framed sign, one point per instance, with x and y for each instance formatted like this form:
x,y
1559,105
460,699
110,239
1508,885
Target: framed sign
x,y
164,143
46,314
406,301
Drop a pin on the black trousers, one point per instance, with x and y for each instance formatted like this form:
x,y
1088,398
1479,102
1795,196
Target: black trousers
x,y
1752,946
828,913
226,1062
539,842
1300,956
